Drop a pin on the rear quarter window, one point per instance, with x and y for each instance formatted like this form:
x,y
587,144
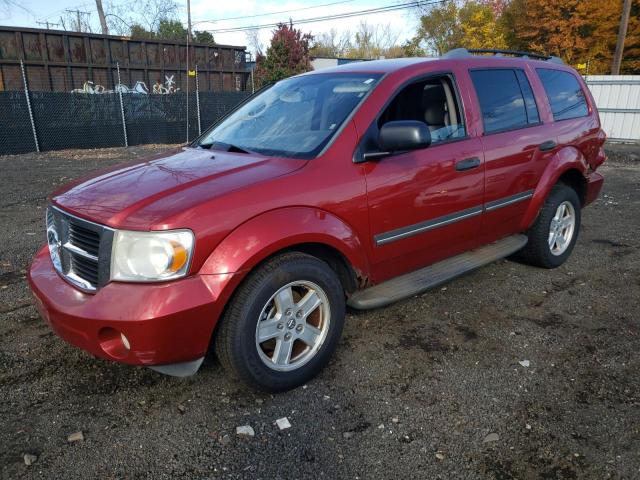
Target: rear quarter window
x,y
565,95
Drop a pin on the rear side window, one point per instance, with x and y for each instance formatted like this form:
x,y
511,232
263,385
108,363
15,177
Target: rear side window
x,y
506,99
565,95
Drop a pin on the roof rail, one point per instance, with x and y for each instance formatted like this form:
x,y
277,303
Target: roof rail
x,y
463,52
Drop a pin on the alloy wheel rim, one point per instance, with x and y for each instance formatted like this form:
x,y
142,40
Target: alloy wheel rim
x,y
562,228
292,326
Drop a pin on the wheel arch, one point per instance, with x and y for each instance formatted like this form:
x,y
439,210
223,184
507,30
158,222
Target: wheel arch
x,y
304,229
575,179
567,166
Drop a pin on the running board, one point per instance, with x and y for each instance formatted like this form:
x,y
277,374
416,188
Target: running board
x,y
428,277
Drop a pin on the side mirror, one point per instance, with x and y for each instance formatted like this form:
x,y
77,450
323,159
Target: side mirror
x,y
401,136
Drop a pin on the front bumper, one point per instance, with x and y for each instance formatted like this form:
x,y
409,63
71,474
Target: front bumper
x,y
163,323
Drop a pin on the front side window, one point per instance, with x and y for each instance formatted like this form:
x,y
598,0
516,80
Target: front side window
x,y
296,117
565,95
432,101
502,99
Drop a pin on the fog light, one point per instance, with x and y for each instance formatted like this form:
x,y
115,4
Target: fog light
x,y
114,343
125,341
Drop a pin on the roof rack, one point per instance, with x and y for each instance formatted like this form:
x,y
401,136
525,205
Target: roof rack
x,y
463,53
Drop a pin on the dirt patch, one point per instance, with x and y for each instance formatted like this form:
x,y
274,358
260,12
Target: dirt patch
x,y
411,393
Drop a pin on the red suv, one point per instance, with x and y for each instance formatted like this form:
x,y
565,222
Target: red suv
x,y
358,185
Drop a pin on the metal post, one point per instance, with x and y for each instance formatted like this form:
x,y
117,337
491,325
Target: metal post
x,y
253,65
26,94
253,86
124,123
198,102
187,98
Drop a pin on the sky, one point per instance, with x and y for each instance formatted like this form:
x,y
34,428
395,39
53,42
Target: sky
x,y
207,14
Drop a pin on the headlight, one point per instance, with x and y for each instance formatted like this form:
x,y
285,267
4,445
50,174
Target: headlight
x,y
150,256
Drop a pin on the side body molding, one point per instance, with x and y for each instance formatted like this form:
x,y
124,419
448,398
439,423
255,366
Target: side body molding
x,y
275,230
569,158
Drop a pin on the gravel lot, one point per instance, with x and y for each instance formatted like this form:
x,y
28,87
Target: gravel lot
x,y
432,387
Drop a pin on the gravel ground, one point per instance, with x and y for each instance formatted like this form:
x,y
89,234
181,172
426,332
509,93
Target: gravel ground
x,y
432,387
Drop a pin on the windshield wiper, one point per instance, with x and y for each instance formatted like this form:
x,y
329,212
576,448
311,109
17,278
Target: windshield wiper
x,y
225,147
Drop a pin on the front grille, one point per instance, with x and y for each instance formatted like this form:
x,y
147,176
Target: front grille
x,y
80,250
84,238
86,269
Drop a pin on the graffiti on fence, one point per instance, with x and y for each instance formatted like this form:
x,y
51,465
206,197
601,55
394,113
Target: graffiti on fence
x,y
139,87
169,86
90,87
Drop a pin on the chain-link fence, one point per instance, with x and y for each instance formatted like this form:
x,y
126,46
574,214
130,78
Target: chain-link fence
x,y
96,116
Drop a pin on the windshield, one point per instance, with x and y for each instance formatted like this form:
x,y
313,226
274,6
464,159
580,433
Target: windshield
x,y
296,117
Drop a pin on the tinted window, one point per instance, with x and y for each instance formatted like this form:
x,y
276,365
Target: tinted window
x,y
565,95
529,100
501,100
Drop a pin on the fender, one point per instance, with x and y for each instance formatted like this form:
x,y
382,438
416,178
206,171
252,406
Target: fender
x,y
269,232
565,159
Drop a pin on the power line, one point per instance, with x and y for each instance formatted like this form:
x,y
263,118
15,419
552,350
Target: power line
x,y
48,24
388,8
56,12
273,13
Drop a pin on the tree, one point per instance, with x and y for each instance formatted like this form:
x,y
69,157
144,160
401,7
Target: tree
x,y
631,54
479,27
287,55
171,30
473,25
331,44
147,13
411,48
203,37
369,41
76,21
373,41
138,32
582,32
253,41
438,29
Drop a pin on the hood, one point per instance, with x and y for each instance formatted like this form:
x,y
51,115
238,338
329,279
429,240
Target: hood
x,y
120,196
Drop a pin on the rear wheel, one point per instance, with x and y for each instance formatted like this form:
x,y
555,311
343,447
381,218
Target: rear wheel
x,y
283,323
554,234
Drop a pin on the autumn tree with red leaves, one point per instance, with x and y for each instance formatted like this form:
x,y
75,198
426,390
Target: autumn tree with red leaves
x,y
287,55
582,32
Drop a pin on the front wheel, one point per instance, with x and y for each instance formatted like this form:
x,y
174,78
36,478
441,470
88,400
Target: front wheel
x,y
554,234
283,323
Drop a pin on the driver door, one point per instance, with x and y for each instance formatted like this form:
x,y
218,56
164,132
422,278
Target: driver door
x,y
425,205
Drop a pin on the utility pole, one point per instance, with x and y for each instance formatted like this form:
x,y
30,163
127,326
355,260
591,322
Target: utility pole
x,y
622,33
48,24
189,18
103,20
78,18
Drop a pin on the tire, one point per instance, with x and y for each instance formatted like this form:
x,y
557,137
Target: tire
x,y
256,314
538,250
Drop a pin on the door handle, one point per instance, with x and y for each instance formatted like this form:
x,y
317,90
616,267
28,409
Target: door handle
x,y
467,164
548,145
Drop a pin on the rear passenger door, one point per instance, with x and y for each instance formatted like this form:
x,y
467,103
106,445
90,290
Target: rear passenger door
x,y
517,146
